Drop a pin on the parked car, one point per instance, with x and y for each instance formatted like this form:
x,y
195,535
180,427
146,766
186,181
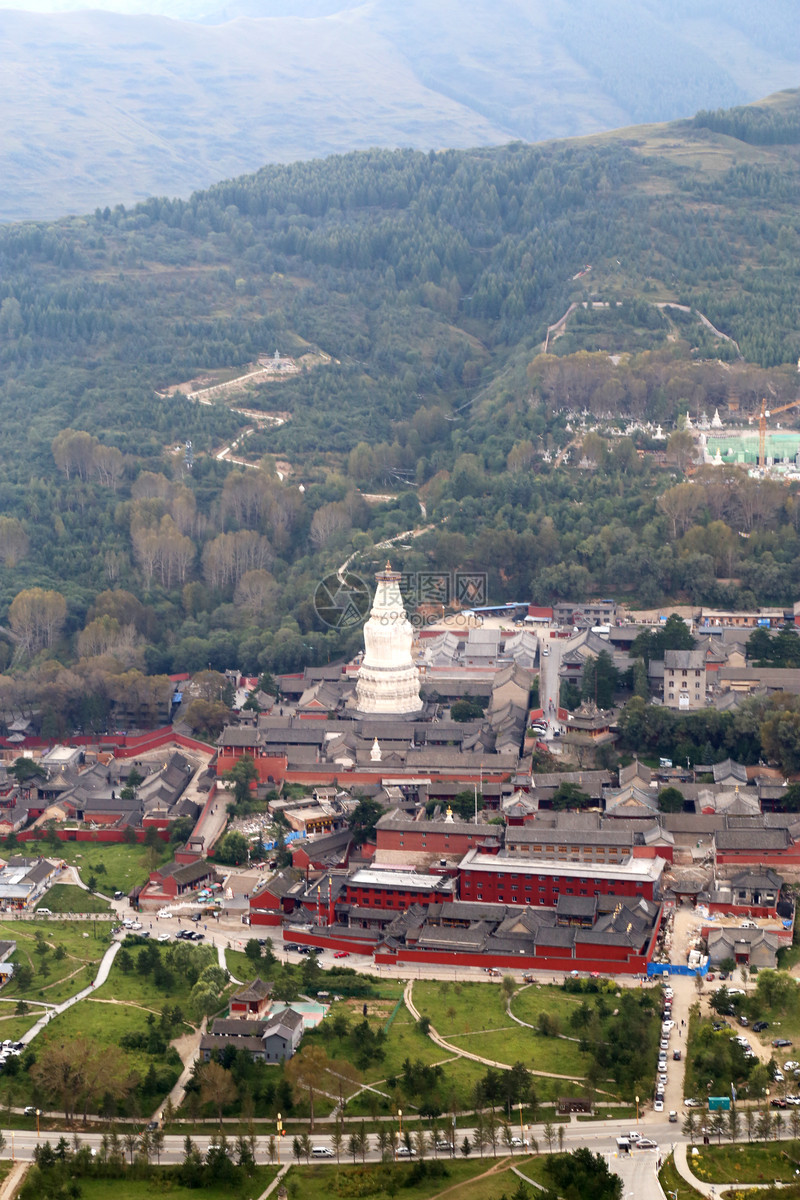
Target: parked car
x,y
341,954
691,1103
658,1106
759,1025
779,1042
404,1152
779,1102
791,1065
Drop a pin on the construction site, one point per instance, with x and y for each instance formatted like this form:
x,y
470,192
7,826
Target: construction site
x,y
764,449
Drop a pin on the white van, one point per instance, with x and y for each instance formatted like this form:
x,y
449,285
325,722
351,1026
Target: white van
x,y
321,1152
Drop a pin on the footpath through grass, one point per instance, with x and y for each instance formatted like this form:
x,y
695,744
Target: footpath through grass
x,y
60,957
473,1017
117,866
414,1181
672,1182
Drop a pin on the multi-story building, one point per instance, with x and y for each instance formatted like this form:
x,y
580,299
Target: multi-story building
x,y
684,679
507,879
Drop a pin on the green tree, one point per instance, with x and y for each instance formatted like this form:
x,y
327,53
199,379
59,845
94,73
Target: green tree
x,y
600,680
26,771
233,848
363,819
242,775
670,800
253,950
134,780
569,796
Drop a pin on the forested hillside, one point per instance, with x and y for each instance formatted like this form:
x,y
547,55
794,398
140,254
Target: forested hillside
x,y
105,106
415,291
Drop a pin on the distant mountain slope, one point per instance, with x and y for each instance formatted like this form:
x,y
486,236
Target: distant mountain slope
x,y
102,107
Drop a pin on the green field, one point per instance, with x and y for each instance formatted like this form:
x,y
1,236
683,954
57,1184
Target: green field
x,y
162,1180
117,866
390,1179
137,989
67,898
82,945
106,1024
472,1016
759,1163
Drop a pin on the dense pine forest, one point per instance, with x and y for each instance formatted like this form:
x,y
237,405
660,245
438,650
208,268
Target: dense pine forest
x,y
415,292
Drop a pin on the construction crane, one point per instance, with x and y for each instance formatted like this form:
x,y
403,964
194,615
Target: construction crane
x,y
762,427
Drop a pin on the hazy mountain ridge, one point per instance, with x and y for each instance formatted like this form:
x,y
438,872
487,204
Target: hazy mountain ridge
x,y
102,106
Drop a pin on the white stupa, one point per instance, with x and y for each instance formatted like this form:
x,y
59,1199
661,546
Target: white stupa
x,y
716,420
388,681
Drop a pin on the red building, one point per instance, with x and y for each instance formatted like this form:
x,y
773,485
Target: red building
x,y
371,887
276,898
756,845
398,831
253,1001
496,879
175,879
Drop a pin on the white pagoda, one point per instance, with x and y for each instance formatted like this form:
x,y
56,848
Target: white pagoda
x,y
388,681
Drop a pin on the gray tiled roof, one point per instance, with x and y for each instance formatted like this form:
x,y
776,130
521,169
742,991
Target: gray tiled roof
x,y
753,838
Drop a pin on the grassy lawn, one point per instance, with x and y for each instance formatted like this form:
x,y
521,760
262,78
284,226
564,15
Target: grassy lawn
x,y
117,866
759,1163
106,1024
162,1180
671,1181
390,1179
67,898
55,979
403,1041
138,989
472,1016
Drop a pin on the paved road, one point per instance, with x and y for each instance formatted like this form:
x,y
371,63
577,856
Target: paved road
x,y
99,980
599,1140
